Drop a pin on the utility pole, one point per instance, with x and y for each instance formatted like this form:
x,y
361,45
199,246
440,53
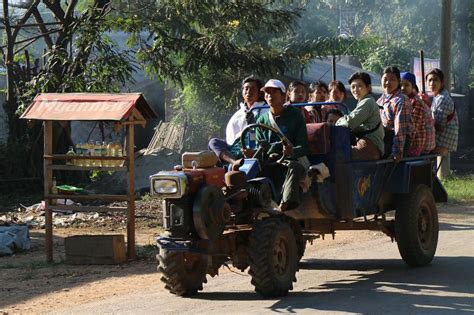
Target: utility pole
x,y
444,163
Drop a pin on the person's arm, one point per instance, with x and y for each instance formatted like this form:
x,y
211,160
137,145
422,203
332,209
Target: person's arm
x,y
360,114
300,141
442,107
401,127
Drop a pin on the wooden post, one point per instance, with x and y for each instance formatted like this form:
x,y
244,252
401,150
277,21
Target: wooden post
x,y
445,61
48,179
131,193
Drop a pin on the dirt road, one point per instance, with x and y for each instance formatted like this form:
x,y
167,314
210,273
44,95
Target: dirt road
x,y
362,273
358,272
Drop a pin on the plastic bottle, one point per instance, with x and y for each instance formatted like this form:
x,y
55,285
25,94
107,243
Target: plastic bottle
x,y
103,152
111,152
71,153
89,149
97,152
119,152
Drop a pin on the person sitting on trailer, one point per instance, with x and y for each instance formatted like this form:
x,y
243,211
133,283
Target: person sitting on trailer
x,y
424,140
229,150
332,116
298,93
364,121
337,93
395,111
444,113
318,92
288,120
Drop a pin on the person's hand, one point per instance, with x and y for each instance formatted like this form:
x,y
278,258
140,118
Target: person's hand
x,y
248,153
397,158
249,117
287,149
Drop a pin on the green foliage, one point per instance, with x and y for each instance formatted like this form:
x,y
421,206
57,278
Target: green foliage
x,y
388,54
460,189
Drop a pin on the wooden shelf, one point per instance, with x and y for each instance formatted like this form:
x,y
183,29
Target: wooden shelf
x,y
82,157
87,168
89,197
87,208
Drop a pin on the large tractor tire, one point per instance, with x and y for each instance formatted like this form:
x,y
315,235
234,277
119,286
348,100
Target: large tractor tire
x,y
416,227
182,273
273,257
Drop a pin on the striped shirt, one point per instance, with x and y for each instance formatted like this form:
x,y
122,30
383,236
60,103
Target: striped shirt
x,y
447,119
396,115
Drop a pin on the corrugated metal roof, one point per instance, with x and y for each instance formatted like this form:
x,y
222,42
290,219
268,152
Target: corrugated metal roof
x,y
87,106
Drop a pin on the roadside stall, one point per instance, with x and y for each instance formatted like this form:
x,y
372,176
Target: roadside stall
x,y
124,111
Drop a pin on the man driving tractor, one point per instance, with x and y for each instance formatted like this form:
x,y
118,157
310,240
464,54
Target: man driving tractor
x,y
288,172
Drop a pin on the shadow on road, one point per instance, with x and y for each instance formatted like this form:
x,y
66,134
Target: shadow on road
x,y
378,286
25,276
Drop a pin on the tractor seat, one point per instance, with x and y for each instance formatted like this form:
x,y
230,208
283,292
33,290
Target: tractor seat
x,y
201,159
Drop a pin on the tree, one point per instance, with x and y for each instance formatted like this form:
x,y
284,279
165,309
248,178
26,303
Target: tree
x,y
78,58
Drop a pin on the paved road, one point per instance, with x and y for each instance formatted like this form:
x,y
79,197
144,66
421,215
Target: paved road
x,y
355,277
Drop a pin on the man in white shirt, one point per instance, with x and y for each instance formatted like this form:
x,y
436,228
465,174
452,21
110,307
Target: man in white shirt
x,y
228,150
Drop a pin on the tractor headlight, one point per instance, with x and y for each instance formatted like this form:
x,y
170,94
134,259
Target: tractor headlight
x,y
165,186
168,184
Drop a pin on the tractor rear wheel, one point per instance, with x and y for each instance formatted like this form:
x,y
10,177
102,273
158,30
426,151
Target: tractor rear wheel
x,y
182,273
273,257
416,227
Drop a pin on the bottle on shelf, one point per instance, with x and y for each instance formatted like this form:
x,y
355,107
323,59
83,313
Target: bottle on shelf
x,y
79,152
111,152
97,152
70,153
103,152
89,151
119,152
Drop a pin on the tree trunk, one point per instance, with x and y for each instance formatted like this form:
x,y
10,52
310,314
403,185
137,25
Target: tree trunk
x,y
463,8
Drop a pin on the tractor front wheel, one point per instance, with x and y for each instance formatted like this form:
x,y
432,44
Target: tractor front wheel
x,y
273,257
182,273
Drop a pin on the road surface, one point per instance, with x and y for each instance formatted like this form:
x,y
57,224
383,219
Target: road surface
x,y
358,275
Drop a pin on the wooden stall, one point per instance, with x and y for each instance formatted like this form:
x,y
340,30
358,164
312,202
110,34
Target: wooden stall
x,y
126,110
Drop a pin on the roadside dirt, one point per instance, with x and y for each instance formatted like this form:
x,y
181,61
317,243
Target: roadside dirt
x,y
29,285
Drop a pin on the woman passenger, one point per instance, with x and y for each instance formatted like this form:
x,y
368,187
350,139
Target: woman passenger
x,y
444,113
424,140
364,121
318,93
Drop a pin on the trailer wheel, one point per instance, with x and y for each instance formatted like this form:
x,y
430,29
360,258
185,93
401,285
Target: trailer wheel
x,y
416,227
273,257
182,273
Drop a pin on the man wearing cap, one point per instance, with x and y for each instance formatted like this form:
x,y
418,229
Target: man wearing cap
x,y
291,123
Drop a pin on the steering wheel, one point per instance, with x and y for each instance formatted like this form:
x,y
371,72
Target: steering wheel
x,y
266,146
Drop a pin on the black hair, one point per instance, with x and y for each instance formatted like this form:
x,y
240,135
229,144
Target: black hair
x,y
333,111
338,85
252,78
294,84
437,72
393,70
318,84
363,76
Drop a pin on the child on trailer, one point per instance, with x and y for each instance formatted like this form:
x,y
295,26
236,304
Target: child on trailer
x,y
318,92
298,93
395,111
424,140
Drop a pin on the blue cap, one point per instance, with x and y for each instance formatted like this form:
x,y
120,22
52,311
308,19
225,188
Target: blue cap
x,y
410,77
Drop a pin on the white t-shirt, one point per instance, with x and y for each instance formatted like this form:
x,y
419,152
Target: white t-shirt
x,y
237,122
